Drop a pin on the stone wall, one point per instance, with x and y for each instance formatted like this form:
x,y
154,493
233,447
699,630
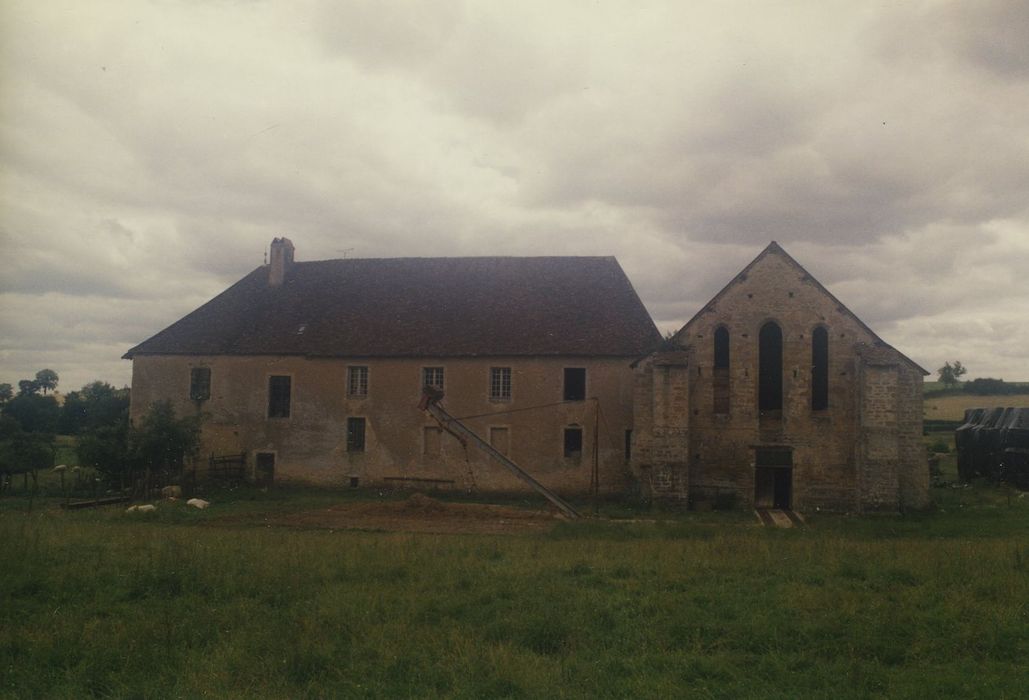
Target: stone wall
x,y
400,442
862,451
661,447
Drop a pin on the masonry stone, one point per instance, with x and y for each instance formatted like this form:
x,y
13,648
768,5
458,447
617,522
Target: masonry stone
x,y
857,448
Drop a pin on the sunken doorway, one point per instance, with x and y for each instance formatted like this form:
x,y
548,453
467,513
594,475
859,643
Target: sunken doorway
x,y
773,478
264,472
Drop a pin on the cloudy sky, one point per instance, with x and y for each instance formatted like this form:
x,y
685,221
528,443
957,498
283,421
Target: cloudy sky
x,y
149,152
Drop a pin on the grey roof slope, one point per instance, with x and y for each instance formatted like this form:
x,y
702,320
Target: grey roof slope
x,y
405,307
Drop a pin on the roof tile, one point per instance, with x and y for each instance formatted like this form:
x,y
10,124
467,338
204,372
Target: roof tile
x,y
396,307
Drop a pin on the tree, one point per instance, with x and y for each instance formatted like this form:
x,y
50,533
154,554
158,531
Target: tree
x,y
46,379
668,343
28,387
95,405
106,449
987,386
951,373
21,451
35,413
6,393
162,441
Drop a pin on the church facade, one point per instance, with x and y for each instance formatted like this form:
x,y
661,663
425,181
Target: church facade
x,y
776,395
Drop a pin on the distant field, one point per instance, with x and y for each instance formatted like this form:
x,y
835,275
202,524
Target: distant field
x,y
953,407
934,387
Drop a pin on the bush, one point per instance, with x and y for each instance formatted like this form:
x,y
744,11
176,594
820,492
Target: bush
x,y
21,451
161,442
34,413
984,386
95,405
106,449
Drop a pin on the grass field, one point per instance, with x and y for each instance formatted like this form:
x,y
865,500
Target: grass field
x,y
104,604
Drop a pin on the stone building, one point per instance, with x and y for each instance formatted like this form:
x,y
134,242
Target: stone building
x,y
775,394
314,370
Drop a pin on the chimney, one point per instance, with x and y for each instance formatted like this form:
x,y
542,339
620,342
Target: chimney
x,y
281,259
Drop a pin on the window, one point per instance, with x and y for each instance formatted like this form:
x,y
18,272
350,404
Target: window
x,y
721,371
722,348
431,441
573,443
357,382
278,396
432,376
820,369
770,367
500,383
575,384
773,457
628,445
499,439
200,383
355,434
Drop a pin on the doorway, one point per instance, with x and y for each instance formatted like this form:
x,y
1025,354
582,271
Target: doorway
x,y
773,478
264,472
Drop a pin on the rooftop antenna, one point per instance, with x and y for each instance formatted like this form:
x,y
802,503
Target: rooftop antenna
x,y
265,256
346,252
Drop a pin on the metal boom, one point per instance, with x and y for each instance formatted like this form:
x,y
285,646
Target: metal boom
x,y
430,404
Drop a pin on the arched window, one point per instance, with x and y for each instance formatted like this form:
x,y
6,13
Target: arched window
x,y
819,369
722,348
721,371
770,367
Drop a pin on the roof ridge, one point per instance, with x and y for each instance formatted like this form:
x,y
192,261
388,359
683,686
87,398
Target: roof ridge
x,y
464,257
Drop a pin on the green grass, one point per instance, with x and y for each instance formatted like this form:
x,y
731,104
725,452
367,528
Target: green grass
x,y
103,604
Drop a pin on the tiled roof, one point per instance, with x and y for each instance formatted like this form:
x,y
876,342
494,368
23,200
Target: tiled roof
x,y
435,307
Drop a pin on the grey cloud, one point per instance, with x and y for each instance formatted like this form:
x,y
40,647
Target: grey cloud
x,y
476,59
390,34
149,156
990,35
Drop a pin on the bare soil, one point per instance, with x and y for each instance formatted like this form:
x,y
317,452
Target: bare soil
x,y
418,513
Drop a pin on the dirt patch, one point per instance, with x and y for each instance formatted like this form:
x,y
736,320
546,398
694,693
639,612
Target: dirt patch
x,y
418,513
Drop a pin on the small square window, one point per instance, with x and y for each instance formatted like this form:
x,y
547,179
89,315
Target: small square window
x,y
357,382
500,383
431,441
279,388
575,384
355,434
432,376
500,440
573,443
200,383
